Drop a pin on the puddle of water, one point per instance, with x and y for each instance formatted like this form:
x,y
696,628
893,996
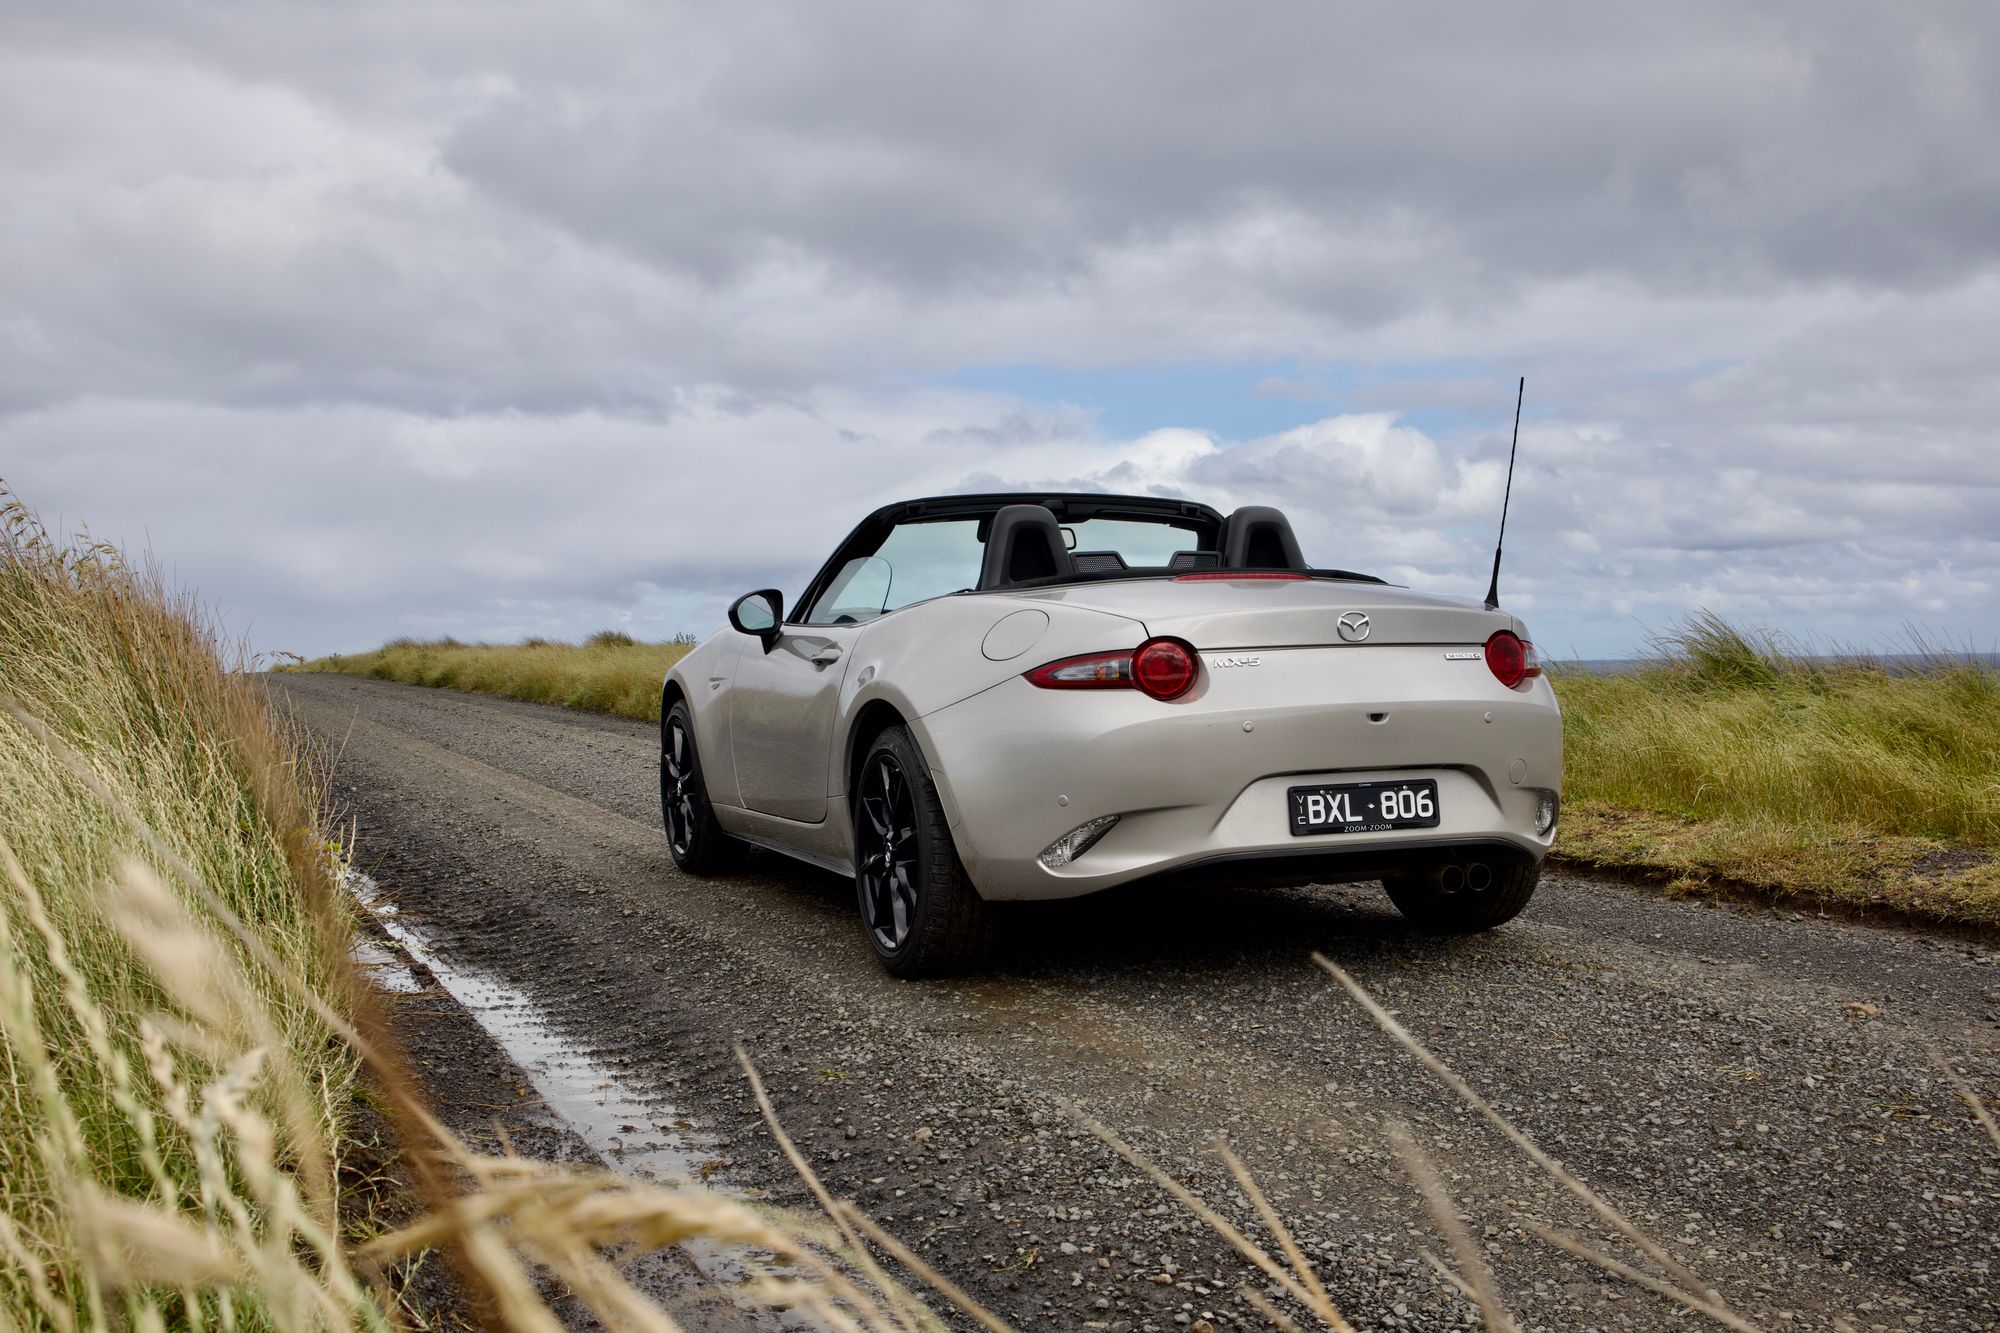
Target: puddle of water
x,y
637,1132
382,967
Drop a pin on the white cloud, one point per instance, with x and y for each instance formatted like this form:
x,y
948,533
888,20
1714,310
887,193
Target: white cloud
x,y
501,318
363,524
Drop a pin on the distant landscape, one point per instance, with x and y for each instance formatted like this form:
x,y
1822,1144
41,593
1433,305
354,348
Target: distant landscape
x,y
1727,762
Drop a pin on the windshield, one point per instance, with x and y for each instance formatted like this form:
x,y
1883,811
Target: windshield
x,y
914,563
1138,543
922,560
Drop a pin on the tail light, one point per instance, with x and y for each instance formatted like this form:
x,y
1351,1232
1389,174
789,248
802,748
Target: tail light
x,y
1511,658
1165,668
1162,668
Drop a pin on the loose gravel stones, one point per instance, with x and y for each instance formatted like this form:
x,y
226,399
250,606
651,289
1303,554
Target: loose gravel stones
x,y
1754,1089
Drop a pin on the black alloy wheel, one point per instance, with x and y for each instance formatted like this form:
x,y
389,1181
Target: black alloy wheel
x,y
698,844
886,853
920,912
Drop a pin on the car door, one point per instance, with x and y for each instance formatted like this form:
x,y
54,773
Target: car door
x,y
782,710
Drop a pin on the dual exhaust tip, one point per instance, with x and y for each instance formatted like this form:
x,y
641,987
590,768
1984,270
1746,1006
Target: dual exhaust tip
x,y
1473,876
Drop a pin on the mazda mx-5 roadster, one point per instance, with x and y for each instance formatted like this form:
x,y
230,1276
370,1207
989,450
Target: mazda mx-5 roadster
x,y
984,698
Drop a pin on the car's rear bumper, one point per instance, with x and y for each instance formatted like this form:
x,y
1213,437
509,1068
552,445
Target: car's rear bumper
x,y
1199,785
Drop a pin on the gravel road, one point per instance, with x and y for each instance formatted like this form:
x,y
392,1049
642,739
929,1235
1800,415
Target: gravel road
x,y
1754,1088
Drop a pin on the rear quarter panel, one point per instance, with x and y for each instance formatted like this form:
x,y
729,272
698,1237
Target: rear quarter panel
x,y
934,654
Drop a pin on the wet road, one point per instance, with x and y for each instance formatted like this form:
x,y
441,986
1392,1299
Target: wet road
x,y
1753,1088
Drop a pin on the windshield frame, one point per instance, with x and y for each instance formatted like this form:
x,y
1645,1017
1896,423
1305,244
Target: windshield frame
x,y
1203,521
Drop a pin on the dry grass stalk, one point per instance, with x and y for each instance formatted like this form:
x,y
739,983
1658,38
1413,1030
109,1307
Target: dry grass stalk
x,y
1968,1096
929,1276
1265,1306
1319,1304
1274,1224
1720,1314
1555,1170
1477,1277
813,1182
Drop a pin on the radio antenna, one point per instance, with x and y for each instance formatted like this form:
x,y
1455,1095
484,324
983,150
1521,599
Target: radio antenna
x,y
1493,588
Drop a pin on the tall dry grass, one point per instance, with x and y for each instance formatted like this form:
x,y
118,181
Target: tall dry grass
x,y
104,661
1739,755
609,673
181,1030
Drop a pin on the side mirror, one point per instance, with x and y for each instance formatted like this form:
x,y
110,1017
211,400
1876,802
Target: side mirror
x,y
759,614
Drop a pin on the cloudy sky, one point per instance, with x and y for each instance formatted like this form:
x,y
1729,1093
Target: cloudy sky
x,y
459,316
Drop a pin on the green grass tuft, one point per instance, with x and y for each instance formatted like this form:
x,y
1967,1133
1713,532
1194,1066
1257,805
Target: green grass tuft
x,y
1736,757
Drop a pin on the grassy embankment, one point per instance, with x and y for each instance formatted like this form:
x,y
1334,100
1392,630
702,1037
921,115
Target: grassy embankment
x,y
1727,762
184,1044
138,1096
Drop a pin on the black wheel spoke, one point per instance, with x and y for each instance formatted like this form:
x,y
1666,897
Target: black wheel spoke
x,y
903,900
876,809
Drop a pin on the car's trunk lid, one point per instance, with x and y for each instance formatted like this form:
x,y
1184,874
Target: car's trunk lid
x,y
1283,613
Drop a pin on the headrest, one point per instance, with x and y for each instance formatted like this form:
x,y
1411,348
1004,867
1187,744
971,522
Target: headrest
x,y
1259,537
1025,543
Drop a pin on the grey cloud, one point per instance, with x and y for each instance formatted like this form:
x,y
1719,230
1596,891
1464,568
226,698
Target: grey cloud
x,y
448,208
497,317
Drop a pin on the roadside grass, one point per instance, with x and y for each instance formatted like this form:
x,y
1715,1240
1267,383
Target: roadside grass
x,y
111,1101
608,673
1736,759
1731,761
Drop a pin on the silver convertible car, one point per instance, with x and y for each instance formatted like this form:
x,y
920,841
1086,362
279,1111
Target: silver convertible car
x,y
983,698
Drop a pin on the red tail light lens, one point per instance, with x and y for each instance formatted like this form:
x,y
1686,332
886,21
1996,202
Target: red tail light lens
x,y
1239,576
1165,668
1162,668
1511,659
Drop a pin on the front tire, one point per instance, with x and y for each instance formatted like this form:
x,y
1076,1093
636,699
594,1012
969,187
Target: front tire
x,y
696,840
920,912
1461,909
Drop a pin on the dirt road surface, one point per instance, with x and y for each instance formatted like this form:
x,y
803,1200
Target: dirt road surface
x,y
1754,1088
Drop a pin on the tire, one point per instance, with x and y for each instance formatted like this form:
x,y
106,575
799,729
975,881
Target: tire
x,y
696,840
1464,911
920,913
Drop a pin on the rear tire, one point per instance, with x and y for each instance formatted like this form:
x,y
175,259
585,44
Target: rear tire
x,y
696,840
921,915
1464,911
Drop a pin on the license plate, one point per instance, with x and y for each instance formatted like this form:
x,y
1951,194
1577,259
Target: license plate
x,y
1363,807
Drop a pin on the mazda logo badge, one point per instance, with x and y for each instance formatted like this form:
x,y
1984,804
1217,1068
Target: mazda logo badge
x,y
1354,627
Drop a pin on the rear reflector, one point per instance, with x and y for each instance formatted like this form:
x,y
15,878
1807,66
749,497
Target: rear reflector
x,y
1076,842
1241,576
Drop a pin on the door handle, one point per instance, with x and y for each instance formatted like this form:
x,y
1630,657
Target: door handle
x,y
826,655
